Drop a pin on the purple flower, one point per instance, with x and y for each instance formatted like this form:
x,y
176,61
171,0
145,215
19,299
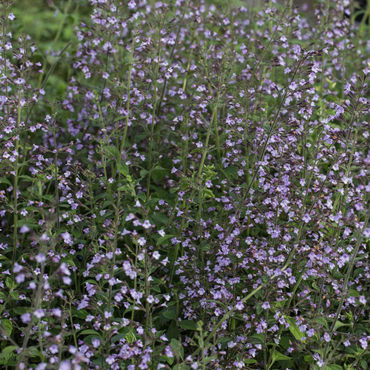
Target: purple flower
x,y
363,342
310,333
306,218
39,313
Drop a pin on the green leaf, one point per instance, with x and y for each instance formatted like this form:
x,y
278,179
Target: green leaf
x,y
142,196
9,349
9,283
177,348
188,324
8,326
77,233
143,173
163,239
160,218
170,360
277,356
172,332
156,288
322,321
117,337
207,193
181,367
112,151
159,173
231,173
250,361
339,324
169,314
89,332
258,338
14,295
81,314
4,180
130,337
334,367
123,169
294,328
309,359
364,364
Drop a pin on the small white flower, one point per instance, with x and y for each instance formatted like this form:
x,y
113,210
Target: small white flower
x,y
146,224
142,241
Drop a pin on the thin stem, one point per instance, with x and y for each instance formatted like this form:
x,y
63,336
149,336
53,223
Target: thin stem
x,y
197,180
153,121
128,95
56,174
346,280
50,71
15,191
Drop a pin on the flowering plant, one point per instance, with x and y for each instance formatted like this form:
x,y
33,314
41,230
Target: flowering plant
x,y
196,196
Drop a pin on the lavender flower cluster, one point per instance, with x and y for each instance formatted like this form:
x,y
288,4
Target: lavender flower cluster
x,y
197,198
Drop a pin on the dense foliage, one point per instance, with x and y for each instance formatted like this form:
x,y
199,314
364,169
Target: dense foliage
x,y
185,185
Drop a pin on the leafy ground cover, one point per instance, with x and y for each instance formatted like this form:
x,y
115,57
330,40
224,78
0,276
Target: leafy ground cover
x,y
184,185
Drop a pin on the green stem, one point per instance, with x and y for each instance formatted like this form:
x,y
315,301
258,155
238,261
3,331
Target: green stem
x,y
197,180
50,71
128,95
61,24
153,122
15,190
346,280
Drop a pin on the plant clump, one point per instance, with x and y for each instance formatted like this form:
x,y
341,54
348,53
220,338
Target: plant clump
x,y
195,197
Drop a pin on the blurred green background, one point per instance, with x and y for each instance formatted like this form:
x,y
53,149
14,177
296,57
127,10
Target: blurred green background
x,y
51,25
